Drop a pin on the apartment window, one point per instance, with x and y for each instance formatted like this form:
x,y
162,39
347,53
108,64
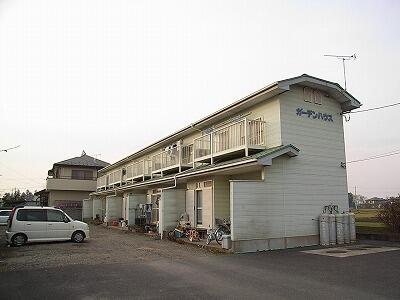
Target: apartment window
x,y
312,96
308,94
208,183
82,174
199,207
317,97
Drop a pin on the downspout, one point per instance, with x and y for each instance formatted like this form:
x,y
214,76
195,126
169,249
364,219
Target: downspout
x,y
171,187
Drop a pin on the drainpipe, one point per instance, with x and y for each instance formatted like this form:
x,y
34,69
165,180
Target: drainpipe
x,y
171,187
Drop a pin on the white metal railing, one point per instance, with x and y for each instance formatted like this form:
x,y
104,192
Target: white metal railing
x,y
137,169
170,157
177,156
240,134
202,146
114,177
187,154
156,162
101,181
256,133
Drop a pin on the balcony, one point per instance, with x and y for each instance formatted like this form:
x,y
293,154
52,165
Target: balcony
x,y
236,139
138,171
174,160
70,184
114,178
101,183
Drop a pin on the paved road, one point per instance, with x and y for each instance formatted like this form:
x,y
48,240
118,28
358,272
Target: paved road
x,y
147,269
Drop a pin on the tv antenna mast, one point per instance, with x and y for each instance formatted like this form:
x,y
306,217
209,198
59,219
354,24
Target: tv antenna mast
x,y
343,58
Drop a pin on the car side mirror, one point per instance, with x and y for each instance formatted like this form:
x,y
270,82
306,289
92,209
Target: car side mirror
x,y
66,220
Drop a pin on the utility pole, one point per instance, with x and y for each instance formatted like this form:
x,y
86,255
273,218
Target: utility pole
x,y
355,195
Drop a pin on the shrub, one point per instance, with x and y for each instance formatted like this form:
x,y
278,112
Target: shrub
x,y
390,215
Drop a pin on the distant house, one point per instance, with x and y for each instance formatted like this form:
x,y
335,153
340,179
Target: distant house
x,y
69,182
375,202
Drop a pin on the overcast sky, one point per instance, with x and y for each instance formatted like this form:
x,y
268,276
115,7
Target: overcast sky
x,y
110,77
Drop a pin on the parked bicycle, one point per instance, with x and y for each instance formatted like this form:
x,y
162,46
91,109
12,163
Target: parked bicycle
x,y
224,228
184,231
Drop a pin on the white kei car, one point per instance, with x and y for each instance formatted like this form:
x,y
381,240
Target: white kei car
x,y
41,224
4,214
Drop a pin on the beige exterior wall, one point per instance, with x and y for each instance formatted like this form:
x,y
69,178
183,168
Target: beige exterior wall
x,y
66,196
70,184
64,171
221,198
268,110
287,203
315,177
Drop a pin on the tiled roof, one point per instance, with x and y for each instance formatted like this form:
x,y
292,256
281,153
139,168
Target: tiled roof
x,y
84,161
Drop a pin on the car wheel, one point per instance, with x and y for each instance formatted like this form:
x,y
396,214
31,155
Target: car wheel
x,y
18,240
78,237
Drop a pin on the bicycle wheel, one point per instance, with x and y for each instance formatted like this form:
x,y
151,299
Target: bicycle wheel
x,y
221,231
171,235
209,238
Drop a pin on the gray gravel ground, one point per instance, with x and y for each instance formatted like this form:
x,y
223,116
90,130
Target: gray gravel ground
x,y
105,246
119,265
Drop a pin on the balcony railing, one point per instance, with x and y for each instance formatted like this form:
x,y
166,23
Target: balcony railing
x,y
101,182
114,178
243,134
177,157
139,169
187,154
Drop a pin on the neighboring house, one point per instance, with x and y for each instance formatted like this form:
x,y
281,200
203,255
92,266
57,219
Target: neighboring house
x,y
374,202
69,182
270,162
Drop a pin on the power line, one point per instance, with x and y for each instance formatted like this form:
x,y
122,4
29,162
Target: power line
x,y
375,108
396,152
5,150
21,175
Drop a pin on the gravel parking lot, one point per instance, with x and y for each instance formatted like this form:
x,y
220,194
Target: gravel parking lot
x,y
105,245
117,265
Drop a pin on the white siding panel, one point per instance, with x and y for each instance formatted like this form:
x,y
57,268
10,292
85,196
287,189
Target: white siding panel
x,y
87,209
172,205
98,208
113,208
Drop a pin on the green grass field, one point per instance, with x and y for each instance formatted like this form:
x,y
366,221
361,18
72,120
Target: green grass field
x,y
367,221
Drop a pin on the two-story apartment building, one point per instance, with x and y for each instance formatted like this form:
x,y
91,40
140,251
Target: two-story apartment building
x,y
71,181
269,162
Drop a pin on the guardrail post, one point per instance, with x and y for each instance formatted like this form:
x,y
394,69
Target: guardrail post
x,y
246,146
179,148
211,147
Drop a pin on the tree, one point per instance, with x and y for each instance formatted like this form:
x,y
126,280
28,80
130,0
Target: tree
x,y
390,214
16,197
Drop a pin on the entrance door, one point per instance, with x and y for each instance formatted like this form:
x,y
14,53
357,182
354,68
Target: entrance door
x,y
190,207
155,214
199,208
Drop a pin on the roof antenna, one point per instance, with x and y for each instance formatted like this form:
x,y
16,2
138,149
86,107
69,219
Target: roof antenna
x,y
343,58
96,155
83,153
